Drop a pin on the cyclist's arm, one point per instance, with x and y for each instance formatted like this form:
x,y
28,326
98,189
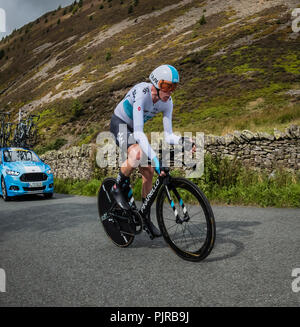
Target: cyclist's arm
x,y
139,135
170,137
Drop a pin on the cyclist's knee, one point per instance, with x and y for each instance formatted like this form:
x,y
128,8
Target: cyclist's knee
x,y
134,155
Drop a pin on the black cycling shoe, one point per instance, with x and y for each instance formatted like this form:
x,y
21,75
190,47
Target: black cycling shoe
x,y
152,228
120,197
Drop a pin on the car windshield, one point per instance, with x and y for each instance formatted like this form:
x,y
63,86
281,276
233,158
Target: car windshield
x,y
20,155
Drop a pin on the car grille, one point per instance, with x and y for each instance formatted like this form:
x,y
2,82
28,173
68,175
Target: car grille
x,y
33,177
28,189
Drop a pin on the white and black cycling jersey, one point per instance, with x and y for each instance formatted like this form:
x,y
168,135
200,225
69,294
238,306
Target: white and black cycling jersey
x,y
137,108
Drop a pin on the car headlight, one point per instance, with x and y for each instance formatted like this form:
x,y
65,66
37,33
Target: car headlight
x,y
12,172
49,171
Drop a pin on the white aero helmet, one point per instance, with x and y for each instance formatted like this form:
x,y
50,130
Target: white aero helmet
x,y
163,73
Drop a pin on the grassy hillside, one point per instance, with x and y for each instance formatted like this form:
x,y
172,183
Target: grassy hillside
x,y
239,65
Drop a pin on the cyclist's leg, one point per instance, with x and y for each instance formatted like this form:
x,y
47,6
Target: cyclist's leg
x,y
147,176
132,150
133,158
122,189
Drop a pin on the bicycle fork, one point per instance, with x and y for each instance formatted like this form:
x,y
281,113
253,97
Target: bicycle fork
x,y
178,219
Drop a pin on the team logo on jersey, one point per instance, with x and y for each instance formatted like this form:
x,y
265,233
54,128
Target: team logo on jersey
x,y
145,90
134,95
139,108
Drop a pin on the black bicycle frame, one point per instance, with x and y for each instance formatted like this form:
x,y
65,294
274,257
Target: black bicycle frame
x,y
152,195
162,181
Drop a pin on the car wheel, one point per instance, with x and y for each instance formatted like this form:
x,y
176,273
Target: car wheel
x,y
48,195
3,188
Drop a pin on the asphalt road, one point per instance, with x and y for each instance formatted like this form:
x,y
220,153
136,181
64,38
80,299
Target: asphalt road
x,y
55,253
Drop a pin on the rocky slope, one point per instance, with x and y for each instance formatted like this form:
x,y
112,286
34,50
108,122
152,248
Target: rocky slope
x,y
238,60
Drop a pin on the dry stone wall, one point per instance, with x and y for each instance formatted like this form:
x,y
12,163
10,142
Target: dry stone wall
x,y
74,163
260,150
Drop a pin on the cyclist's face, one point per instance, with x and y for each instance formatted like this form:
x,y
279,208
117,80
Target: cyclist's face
x,y
164,96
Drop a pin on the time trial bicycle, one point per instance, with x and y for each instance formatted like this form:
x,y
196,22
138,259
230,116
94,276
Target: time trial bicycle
x,y
184,215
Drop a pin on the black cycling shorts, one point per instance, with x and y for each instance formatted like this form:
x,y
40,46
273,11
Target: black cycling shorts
x,y
122,132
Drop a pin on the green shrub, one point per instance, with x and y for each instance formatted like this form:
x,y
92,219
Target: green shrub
x,y
76,109
75,9
77,187
130,9
202,20
228,181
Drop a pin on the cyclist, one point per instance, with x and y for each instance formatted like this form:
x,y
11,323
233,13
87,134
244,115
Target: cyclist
x,y
140,104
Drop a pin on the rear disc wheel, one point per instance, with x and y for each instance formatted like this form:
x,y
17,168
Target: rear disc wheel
x,y
115,220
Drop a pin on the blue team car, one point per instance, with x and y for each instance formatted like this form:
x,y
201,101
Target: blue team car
x,y
23,172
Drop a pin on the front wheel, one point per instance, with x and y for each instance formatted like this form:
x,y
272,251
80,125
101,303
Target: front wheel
x,y
4,191
186,220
